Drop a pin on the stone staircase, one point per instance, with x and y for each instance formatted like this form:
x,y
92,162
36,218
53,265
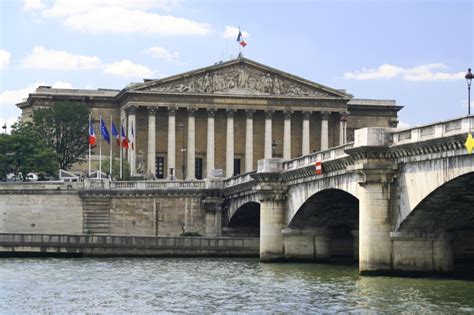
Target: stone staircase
x,y
96,212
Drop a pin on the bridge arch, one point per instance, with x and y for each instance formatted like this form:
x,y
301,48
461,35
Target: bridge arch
x,y
327,208
449,207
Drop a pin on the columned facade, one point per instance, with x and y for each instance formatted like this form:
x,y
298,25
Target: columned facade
x,y
287,134
132,134
151,152
268,134
229,155
210,152
305,136
325,130
249,141
171,142
191,150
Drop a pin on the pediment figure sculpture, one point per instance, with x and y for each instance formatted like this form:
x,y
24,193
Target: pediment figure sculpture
x,y
238,78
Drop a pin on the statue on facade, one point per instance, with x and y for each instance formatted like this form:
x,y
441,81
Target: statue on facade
x,y
140,161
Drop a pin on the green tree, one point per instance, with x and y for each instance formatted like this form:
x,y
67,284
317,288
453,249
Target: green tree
x,y
116,168
64,126
25,151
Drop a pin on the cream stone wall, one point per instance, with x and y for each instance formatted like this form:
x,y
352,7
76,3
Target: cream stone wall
x,y
51,212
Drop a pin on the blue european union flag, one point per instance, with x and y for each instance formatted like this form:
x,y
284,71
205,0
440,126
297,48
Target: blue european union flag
x,y
104,131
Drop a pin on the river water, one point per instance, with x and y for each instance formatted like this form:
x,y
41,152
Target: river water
x,y
210,285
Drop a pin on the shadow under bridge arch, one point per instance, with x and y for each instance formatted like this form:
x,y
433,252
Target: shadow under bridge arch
x,y
245,221
333,215
449,208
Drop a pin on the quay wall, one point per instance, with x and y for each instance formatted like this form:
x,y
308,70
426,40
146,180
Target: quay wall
x,y
95,245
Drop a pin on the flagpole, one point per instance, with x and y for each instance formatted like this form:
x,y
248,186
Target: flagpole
x,y
121,149
90,124
111,160
100,148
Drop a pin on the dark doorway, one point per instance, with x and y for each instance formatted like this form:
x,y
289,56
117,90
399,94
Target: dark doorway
x,y
198,168
236,167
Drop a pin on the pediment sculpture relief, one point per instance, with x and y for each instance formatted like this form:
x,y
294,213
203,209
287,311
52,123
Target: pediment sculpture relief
x,y
239,81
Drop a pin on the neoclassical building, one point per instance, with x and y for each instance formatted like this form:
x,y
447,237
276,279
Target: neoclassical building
x,y
224,117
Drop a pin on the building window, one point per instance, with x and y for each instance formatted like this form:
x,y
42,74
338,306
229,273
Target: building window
x,y
160,167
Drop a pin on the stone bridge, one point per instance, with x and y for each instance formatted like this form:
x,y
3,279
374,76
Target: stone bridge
x,y
397,200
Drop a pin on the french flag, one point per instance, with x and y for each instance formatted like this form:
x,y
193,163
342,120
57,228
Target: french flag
x,y
240,39
115,134
92,138
124,138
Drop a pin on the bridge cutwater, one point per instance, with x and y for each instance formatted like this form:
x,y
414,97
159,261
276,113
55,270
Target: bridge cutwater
x,y
396,200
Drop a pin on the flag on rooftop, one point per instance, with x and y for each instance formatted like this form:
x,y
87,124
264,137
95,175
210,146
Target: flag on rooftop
x,y
240,39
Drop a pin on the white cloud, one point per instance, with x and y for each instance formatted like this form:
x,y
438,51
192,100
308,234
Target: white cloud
x,y
118,20
123,16
128,69
32,5
163,53
51,59
9,113
62,8
426,72
232,32
4,59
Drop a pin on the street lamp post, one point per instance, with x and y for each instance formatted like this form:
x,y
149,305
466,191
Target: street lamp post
x,y
183,150
469,77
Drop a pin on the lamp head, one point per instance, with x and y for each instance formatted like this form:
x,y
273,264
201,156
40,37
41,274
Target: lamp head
x,y
469,76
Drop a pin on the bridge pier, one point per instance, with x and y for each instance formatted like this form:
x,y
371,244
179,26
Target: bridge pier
x,y
306,244
272,195
272,221
415,251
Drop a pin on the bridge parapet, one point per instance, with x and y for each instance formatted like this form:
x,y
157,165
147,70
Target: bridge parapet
x,y
432,131
322,156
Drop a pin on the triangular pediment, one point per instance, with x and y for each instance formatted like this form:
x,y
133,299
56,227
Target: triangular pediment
x,y
240,77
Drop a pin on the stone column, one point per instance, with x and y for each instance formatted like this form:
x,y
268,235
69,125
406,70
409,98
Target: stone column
x,y
268,134
151,154
171,141
287,135
229,156
324,131
190,172
249,141
343,128
131,110
305,138
210,141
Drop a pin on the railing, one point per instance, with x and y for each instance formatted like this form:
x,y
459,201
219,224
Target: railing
x,y
323,156
437,130
240,179
159,184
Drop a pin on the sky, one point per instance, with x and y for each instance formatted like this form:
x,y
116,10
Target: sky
x,y
412,51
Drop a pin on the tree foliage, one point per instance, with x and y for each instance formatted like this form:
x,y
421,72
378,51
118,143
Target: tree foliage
x,y
25,151
116,168
64,127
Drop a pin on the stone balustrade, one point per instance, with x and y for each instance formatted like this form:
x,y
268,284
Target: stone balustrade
x,y
451,127
236,180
